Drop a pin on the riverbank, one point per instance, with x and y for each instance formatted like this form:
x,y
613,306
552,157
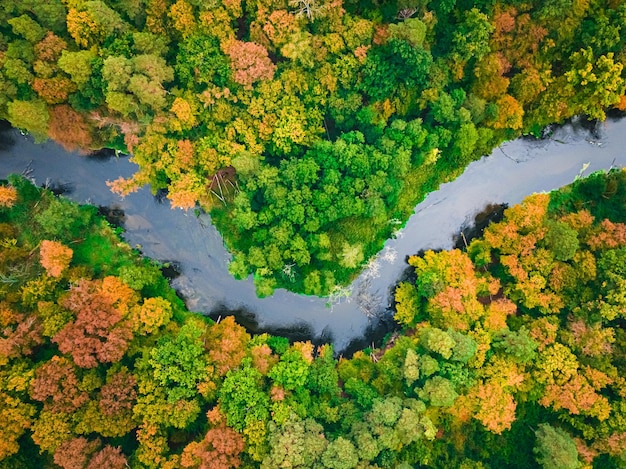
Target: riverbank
x,y
514,170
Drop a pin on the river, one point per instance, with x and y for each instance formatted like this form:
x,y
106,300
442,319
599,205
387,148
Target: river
x,y
350,319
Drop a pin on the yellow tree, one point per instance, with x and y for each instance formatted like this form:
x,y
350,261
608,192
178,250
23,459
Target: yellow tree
x,y
495,407
83,28
152,314
16,419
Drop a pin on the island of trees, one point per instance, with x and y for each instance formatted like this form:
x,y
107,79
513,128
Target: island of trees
x,y
307,128
512,354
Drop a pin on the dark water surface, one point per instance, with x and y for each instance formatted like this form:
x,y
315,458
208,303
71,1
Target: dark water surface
x,y
192,244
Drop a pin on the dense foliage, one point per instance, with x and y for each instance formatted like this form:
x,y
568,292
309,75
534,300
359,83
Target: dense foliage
x,y
512,354
309,128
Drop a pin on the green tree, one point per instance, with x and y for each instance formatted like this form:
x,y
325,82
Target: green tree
x,y
438,391
242,397
438,341
61,219
178,362
116,72
517,344
78,65
597,82
471,36
292,371
340,454
411,367
393,64
297,444
200,61
555,448
28,28
323,378
465,346
31,116
411,30
562,240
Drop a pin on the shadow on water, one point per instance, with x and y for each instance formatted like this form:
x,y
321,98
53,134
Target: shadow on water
x,y
374,336
171,270
104,154
294,332
6,136
591,127
615,114
59,188
492,213
161,196
114,214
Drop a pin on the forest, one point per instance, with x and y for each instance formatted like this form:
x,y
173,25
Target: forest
x,y
308,129
511,353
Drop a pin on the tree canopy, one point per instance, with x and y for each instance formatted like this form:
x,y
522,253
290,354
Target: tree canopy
x,y
511,354
307,128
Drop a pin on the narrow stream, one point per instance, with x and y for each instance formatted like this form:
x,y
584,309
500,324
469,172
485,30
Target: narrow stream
x,y
513,171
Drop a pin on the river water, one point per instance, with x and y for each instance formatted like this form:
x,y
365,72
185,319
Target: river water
x,y
351,318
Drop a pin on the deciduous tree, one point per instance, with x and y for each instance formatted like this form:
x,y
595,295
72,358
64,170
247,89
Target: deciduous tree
x,y
555,448
219,449
98,334
17,418
69,128
8,196
31,116
54,257
296,444
57,385
495,407
152,314
226,345
249,61
178,363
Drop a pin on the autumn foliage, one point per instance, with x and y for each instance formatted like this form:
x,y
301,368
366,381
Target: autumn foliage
x,y
98,334
57,385
85,454
226,343
219,449
19,335
537,343
8,196
54,257
250,62
69,128
512,350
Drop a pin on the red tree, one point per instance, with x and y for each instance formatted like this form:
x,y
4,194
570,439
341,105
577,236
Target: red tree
x,y
56,384
74,454
118,394
81,453
68,128
219,449
19,333
50,47
249,61
98,335
109,457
